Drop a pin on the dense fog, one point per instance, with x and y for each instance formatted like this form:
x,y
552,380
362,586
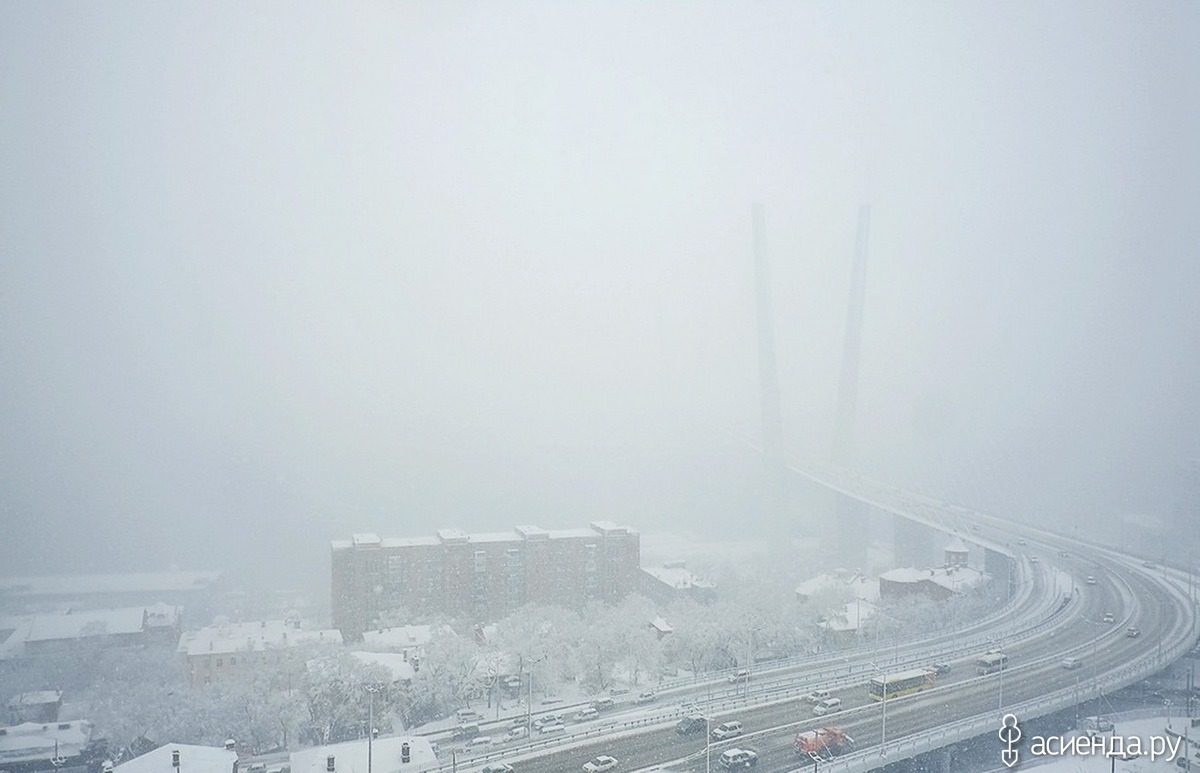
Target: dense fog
x,y
270,276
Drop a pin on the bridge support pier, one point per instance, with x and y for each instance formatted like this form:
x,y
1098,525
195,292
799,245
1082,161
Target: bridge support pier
x,y
913,543
1000,567
853,531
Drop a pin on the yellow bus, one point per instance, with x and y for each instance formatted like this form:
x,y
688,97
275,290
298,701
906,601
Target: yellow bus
x,y
903,683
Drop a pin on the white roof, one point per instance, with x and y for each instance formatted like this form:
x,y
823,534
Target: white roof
x,y
573,533
398,638
904,574
400,669
78,625
677,577
192,759
661,625
351,756
37,698
34,740
363,539
253,637
854,614
501,536
88,584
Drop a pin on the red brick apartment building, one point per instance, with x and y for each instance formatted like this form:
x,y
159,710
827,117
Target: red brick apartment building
x,y
480,576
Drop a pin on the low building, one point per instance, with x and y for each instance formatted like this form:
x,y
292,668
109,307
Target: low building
x,y
53,746
71,631
673,581
183,758
661,628
937,584
386,755
40,706
232,650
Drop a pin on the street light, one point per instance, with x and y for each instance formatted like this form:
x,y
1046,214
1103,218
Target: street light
x,y
371,690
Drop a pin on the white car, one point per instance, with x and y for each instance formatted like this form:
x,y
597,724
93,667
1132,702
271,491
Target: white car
x,y
600,764
516,734
816,696
497,767
481,741
555,728
828,706
585,715
726,730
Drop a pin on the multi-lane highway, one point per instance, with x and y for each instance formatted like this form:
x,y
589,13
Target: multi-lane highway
x,y
1055,615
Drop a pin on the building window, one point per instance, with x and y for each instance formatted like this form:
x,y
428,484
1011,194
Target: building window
x,y
233,661
220,662
480,561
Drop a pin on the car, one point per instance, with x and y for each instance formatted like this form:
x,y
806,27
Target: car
x,y
1064,554
585,715
649,696
1132,633
816,696
690,724
618,690
1109,617
547,719
741,675
557,727
479,742
465,732
467,716
1090,580
600,704
727,730
1071,663
1148,564
551,700
1097,724
1033,559
497,767
941,668
828,706
1022,541
600,764
516,733
739,758
512,682
518,722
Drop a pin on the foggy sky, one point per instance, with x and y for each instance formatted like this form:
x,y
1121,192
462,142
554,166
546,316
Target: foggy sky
x,y
270,274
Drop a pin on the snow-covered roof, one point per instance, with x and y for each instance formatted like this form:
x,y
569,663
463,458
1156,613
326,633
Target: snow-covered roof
x,y
406,542
677,577
572,533
351,756
661,625
957,546
253,637
35,740
398,638
91,584
955,578
36,698
192,759
500,536
904,574
365,539
400,669
79,625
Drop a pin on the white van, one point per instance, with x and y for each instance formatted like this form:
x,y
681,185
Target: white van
x,y
828,706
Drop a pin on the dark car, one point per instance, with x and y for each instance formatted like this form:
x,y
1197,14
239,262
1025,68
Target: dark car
x,y
942,668
689,725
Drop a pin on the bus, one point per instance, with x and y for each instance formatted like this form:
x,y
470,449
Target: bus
x,y
904,683
991,663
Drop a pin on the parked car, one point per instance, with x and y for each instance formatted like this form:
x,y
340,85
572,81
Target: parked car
x,y
649,696
618,690
942,668
739,758
741,675
1109,617
600,704
828,706
479,742
1033,559
547,719
691,724
600,764
727,730
466,716
557,727
816,696
1132,633
1071,663
586,714
516,733
1097,725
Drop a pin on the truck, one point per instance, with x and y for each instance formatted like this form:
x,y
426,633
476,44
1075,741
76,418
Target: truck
x,y
823,743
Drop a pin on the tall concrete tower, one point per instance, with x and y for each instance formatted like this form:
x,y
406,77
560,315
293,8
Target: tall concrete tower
x,y
853,517
775,495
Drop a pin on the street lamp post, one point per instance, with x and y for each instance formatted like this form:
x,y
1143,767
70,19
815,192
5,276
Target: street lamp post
x,y
371,690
